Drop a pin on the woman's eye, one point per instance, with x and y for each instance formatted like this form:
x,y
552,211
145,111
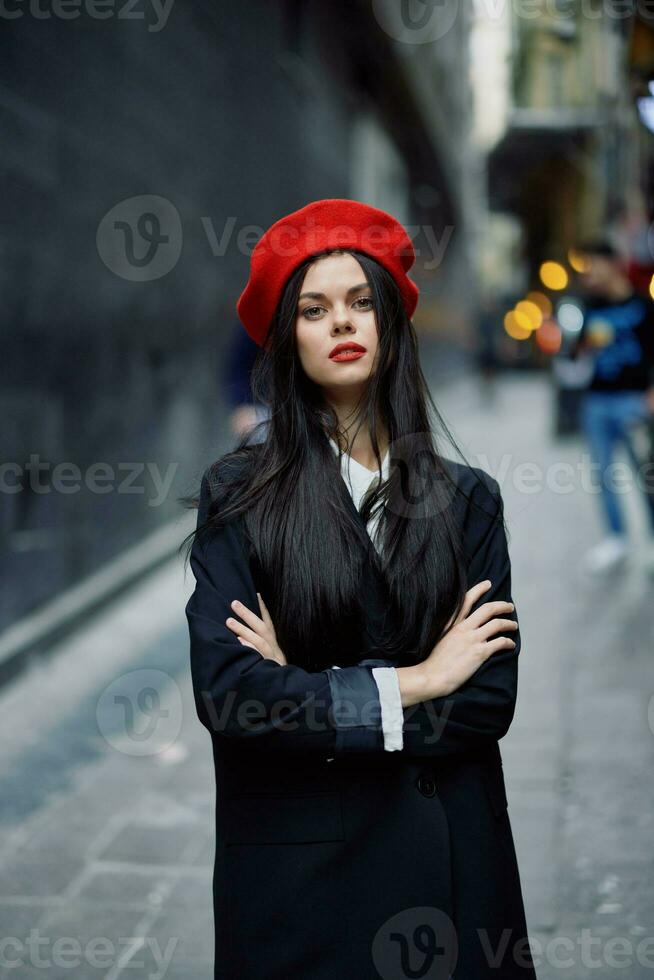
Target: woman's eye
x,y
311,310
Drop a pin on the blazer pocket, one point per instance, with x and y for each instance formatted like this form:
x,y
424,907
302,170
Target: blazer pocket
x,y
496,789
279,818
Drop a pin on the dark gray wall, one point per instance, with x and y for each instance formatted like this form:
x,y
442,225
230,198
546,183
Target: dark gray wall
x,y
233,113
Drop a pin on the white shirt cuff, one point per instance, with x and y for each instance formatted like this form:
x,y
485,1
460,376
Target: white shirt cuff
x,y
392,716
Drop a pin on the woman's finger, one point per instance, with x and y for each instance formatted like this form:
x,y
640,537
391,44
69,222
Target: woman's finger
x,y
497,625
256,639
250,618
471,597
265,615
245,643
264,653
487,610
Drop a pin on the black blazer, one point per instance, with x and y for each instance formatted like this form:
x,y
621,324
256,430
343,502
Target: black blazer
x,y
333,856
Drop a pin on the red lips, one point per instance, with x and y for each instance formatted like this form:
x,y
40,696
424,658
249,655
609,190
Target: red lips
x,y
351,346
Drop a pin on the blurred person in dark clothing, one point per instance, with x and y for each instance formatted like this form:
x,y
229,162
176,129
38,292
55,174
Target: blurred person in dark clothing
x,y
618,333
245,412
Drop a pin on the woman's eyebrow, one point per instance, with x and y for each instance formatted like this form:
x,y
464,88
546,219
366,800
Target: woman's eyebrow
x,y
352,289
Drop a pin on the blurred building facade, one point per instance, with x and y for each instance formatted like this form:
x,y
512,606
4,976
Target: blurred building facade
x,y
231,115
564,163
566,152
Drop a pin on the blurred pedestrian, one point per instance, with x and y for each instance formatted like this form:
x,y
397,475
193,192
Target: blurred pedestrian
x,y
618,331
245,411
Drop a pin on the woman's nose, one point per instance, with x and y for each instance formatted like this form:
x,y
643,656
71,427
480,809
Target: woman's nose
x,y
342,321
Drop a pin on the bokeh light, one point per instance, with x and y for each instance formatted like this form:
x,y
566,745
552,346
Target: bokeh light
x,y
516,329
542,301
577,260
553,275
531,311
570,315
548,336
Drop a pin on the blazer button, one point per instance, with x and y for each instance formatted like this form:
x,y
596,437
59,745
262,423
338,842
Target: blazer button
x,y
426,785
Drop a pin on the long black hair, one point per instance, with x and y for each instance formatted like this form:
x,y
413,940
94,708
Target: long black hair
x,y
284,480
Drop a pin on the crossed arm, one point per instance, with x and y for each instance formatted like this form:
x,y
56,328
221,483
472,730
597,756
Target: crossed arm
x,y
283,708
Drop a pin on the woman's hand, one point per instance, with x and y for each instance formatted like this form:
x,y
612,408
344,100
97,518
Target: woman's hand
x,y
259,633
468,642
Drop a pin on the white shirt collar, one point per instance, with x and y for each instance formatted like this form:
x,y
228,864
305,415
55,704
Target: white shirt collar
x,y
359,475
358,479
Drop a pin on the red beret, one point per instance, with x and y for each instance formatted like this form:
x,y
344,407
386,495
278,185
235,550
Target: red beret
x,y
331,223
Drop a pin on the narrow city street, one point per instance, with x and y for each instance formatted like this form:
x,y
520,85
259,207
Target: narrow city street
x,y
106,774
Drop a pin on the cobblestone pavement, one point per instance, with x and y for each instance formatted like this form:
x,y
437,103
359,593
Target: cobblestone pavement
x,y
106,848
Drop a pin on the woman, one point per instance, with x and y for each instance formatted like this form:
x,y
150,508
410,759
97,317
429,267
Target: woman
x,y
355,689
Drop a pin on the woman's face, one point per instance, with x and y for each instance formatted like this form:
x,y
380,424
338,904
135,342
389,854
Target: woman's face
x,y
336,308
